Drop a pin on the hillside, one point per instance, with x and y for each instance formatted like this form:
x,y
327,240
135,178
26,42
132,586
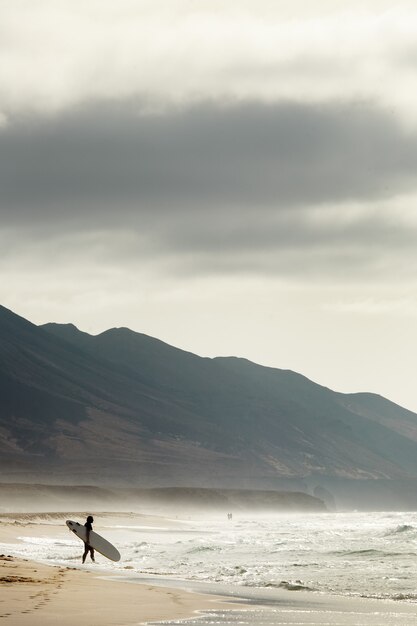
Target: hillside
x,y
124,408
16,497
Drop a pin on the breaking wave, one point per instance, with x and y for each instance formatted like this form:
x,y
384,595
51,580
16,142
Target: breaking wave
x,y
399,530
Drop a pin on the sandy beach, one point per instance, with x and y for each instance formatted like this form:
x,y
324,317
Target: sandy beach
x,y
33,593
36,594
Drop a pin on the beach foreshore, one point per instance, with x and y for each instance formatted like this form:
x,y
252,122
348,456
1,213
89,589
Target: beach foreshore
x,y
36,594
33,593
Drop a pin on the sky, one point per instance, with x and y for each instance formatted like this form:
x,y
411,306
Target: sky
x,y
234,178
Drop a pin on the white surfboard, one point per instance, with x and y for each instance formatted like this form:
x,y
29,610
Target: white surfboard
x,y
96,541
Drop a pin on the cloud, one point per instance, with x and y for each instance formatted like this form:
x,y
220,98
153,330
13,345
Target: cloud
x,y
110,161
56,55
286,189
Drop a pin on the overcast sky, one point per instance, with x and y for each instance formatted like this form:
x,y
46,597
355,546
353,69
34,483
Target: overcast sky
x,y
235,178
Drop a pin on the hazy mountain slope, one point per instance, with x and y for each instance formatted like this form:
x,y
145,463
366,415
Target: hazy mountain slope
x,y
50,385
122,405
283,417
167,501
381,410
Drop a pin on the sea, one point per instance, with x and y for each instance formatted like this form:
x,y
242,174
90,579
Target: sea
x,y
349,554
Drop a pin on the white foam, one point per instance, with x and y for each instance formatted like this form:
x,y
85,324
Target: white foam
x,y
358,554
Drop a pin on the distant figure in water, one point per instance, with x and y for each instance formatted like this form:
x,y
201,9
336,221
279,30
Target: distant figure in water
x,y
230,516
88,548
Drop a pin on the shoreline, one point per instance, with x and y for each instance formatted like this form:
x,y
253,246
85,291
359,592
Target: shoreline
x,y
35,593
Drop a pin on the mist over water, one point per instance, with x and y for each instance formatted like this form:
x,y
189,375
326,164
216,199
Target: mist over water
x,y
350,554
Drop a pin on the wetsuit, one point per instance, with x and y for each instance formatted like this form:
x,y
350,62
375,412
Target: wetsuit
x,y
88,548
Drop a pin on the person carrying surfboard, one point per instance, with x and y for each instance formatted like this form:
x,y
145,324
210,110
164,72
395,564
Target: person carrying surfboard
x,y
93,542
88,549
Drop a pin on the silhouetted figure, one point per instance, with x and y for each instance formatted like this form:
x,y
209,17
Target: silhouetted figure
x,y
88,548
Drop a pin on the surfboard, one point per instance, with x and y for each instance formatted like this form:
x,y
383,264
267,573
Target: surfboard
x,y
96,541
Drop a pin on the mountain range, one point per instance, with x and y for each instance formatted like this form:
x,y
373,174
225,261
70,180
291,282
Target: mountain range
x,y
122,408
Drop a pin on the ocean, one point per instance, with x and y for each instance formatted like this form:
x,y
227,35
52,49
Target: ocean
x,y
370,555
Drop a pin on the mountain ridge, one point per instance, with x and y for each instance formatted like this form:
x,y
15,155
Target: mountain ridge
x,y
122,404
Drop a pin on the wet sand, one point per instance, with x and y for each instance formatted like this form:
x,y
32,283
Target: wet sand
x,y
34,594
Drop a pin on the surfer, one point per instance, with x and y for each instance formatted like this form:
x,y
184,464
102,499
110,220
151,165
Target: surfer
x,y
88,549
